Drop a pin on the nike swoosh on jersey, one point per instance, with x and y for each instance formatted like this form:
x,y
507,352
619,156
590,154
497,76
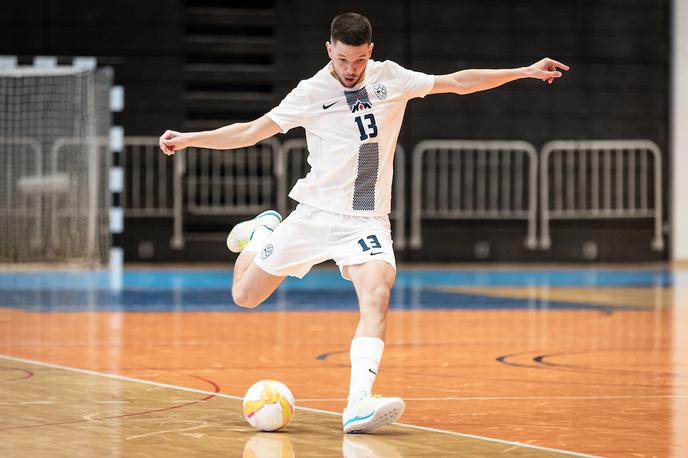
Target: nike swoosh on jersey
x,y
379,252
325,107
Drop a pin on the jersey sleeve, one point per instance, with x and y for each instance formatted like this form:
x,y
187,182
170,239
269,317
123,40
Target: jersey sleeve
x,y
414,84
292,110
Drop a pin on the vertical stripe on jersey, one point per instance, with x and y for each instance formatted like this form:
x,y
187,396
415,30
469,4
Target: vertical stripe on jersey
x,y
364,186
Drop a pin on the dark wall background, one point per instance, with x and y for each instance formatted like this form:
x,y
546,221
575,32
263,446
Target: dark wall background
x,y
196,64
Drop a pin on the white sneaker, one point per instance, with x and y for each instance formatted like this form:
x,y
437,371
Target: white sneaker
x,y
371,413
241,234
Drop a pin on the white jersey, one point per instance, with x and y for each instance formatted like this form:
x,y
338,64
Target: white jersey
x,y
351,134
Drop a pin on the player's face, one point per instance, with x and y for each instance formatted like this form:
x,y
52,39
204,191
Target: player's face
x,y
349,62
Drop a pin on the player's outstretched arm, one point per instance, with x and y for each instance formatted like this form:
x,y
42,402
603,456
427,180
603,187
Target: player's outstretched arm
x,y
238,135
469,81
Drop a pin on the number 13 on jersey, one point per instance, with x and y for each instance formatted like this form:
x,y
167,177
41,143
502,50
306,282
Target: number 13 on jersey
x,y
367,127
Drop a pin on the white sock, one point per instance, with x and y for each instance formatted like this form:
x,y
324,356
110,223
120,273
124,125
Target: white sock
x,y
366,353
260,235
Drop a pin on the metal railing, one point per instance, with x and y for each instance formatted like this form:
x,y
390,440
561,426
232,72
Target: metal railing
x,y
89,205
599,180
56,201
452,179
456,179
148,187
19,157
293,166
232,182
224,182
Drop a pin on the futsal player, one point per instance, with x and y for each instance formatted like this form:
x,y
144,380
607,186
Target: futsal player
x,y
352,110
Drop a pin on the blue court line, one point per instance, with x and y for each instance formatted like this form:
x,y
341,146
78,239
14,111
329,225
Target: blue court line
x,y
329,278
322,289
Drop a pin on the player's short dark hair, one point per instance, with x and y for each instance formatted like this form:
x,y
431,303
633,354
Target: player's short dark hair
x,y
352,29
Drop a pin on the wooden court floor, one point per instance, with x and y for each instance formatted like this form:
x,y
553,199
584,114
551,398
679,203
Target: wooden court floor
x,y
546,367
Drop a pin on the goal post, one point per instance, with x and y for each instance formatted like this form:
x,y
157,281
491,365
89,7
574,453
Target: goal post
x,y
54,166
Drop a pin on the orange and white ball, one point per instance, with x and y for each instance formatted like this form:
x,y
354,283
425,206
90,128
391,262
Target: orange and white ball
x,y
268,405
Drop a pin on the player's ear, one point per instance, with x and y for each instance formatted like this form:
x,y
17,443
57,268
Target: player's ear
x,y
370,49
328,46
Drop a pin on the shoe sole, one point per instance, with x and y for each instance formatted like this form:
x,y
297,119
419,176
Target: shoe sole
x,y
383,416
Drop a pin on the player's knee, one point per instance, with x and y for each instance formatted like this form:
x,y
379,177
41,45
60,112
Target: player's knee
x,y
243,297
378,298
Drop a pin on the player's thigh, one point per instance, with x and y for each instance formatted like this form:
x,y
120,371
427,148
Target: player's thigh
x,y
254,286
372,280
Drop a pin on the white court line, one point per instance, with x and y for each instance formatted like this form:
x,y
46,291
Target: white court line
x,y
516,398
308,409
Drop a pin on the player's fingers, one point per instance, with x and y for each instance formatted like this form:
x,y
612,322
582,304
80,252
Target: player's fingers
x,y
549,81
559,64
169,135
162,146
172,142
547,76
165,149
168,150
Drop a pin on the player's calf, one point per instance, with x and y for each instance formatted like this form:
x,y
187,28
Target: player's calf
x,y
251,285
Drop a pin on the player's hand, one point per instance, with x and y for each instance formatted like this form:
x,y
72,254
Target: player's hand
x,y
547,70
172,141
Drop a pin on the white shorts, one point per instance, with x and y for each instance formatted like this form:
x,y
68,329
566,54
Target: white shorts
x,y
310,236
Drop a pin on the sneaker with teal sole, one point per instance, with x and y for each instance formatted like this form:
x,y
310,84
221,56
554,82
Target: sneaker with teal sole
x,y
241,234
371,413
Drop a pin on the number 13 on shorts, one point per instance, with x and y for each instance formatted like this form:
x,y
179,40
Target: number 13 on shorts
x,y
369,242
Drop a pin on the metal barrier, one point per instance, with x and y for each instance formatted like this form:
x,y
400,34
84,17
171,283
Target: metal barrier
x,y
19,158
53,205
293,165
148,188
456,179
452,179
89,204
224,182
599,180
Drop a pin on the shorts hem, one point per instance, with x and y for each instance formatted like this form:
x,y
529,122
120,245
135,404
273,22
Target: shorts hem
x,y
273,272
364,261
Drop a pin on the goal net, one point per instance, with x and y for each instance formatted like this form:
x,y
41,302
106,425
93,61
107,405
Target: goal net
x,y
54,166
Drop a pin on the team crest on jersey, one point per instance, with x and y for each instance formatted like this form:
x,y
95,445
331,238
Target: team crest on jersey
x,y
380,91
360,105
358,100
267,251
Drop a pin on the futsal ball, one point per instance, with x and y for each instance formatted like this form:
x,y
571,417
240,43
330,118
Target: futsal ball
x,y
268,405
